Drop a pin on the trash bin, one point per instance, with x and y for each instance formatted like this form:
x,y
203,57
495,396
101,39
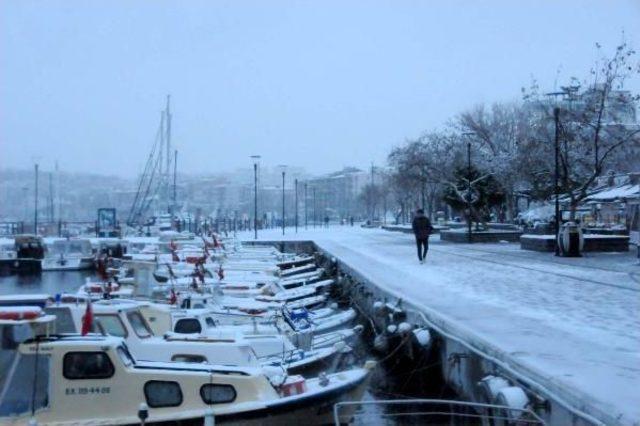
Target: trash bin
x,y
570,240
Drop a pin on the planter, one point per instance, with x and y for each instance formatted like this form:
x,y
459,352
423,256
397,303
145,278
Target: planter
x,y
592,243
460,236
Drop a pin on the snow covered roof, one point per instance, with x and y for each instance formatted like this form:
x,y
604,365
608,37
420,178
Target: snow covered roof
x,y
621,192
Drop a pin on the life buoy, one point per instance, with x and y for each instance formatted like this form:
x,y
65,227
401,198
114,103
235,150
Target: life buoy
x,y
17,315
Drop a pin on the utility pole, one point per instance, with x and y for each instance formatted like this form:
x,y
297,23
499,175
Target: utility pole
x,y
305,205
556,117
296,202
35,216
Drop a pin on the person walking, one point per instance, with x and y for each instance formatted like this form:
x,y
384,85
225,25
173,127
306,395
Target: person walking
x,y
422,228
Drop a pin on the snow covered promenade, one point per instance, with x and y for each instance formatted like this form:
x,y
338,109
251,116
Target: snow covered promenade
x,y
574,323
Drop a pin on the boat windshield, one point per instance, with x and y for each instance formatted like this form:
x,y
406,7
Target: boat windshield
x,y
138,324
125,355
70,246
27,383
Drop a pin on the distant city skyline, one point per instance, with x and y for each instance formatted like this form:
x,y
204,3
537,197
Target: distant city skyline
x,y
319,85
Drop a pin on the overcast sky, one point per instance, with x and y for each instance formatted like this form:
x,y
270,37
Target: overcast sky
x,y
318,84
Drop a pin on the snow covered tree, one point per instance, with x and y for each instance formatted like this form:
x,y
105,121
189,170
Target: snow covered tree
x,y
485,194
498,133
598,127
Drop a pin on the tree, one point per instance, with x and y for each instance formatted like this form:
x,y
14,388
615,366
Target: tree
x,y
486,193
597,127
498,134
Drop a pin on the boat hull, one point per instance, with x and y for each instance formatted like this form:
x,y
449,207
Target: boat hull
x,y
317,410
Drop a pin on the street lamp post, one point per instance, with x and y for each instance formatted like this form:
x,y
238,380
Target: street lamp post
x,y
283,167
255,158
296,202
469,232
556,118
305,205
469,191
314,206
556,177
35,215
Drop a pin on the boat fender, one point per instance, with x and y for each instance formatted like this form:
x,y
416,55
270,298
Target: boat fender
x,y
515,398
381,343
392,328
334,305
358,329
378,308
491,385
143,412
423,337
404,327
209,418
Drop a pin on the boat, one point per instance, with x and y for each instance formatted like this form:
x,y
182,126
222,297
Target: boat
x,y
30,251
67,254
8,255
95,380
193,337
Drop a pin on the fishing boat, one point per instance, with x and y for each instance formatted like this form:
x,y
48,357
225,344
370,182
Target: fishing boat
x,y
95,380
195,337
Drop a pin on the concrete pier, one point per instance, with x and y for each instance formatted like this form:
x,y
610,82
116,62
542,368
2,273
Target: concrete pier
x,y
564,331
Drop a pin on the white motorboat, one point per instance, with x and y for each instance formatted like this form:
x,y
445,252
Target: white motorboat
x,y
67,254
189,338
95,380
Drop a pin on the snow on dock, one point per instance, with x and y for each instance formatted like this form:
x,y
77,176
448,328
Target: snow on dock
x,y
571,324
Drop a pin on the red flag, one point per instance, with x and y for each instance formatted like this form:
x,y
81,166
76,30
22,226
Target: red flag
x,y
173,299
221,273
87,319
102,269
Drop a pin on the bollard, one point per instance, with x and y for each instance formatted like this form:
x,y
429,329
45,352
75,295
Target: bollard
x,y
209,418
143,413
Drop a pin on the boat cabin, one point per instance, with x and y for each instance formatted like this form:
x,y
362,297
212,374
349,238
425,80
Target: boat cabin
x,y
96,379
123,318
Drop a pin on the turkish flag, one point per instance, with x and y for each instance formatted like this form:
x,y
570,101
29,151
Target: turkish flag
x,y
87,319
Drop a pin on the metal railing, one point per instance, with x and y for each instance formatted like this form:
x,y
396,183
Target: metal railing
x,y
486,413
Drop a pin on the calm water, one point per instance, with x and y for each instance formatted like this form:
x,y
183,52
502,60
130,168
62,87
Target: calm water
x,y
50,282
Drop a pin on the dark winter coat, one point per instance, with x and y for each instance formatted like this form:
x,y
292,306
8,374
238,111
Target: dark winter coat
x,y
421,226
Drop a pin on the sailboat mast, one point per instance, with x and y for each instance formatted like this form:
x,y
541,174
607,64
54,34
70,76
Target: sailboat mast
x,y
35,213
175,173
168,137
50,199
